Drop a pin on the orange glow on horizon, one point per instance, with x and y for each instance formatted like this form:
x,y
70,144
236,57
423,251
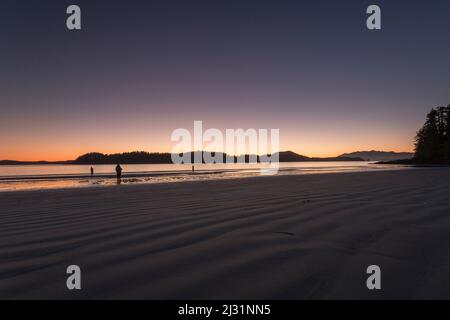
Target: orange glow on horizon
x,y
63,155
60,144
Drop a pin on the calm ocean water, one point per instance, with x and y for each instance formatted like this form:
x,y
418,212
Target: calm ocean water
x,y
25,177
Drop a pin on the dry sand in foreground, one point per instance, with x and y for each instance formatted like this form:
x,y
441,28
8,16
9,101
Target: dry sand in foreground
x,y
265,237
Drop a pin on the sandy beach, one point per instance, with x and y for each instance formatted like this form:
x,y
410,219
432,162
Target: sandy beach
x,y
285,237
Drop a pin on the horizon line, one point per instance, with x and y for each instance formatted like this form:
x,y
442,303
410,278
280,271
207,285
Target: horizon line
x,y
235,155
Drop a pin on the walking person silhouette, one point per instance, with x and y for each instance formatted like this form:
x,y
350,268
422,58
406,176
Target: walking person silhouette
x,y
119,173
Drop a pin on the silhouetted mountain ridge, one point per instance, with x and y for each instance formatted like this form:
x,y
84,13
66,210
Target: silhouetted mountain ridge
x,y
379,155
142,157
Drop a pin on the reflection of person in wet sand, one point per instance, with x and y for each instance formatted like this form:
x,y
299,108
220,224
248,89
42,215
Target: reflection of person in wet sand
x,y
119,173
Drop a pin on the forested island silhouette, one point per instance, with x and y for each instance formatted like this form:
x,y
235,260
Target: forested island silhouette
x,y
143,157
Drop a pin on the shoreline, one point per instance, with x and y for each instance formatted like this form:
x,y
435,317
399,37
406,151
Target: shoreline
x,y
111,175
162,177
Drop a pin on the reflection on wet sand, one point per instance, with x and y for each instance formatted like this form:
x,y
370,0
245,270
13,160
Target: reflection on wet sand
x,y
52,182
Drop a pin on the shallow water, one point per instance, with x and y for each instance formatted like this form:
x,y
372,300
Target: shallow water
x,y
36,177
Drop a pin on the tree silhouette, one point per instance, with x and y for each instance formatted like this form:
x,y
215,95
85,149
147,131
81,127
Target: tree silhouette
x,y
433,139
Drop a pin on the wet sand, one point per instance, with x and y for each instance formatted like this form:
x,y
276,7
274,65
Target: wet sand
x,y
284,237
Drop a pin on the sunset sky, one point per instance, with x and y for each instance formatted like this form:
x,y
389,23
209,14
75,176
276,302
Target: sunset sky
x,y
140,69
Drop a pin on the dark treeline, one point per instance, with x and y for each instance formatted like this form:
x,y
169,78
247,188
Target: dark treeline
x,y
433,139
137,157
141,157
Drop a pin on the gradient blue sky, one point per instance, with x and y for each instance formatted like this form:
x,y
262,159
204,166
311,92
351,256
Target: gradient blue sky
x,y
140,69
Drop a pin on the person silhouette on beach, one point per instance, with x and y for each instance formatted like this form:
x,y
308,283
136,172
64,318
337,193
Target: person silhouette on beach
x,y
92,171
119,173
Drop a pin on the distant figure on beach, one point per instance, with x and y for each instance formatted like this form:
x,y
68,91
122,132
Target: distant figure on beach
x,y
92,171
119,173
